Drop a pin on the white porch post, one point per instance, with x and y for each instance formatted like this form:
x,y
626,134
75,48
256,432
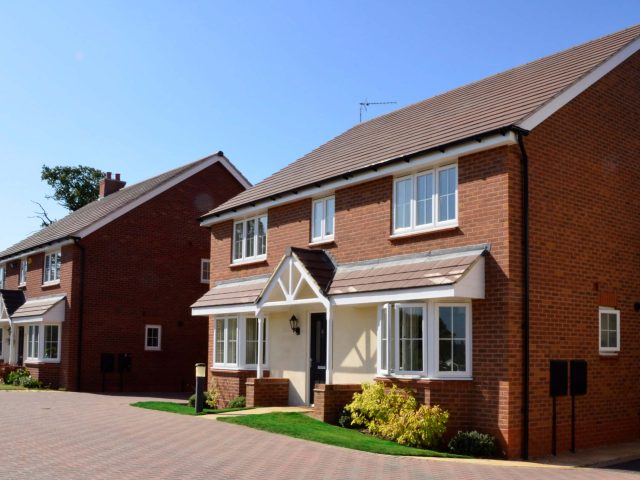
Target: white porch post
x,y
11,338
260,347
329,366
390,338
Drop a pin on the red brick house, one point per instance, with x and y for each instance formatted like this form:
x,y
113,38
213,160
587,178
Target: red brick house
x,y
456,247
99,300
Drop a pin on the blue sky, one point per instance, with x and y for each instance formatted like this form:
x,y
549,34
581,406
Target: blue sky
x,y
142,87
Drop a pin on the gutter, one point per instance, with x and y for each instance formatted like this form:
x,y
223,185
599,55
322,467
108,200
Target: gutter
x,y
80,315
59,242
525,292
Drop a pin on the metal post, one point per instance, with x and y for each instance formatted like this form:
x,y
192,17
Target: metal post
x,y
329,366
200,375
260,347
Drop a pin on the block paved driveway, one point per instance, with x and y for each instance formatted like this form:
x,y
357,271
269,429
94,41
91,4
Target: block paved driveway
x,y
60,435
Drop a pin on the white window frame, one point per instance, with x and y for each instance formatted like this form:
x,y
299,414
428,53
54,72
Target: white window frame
x,y
324,237
40,357
241,337
608,310
146,338
46,280
1,342
243,258
22,273
203,262
3,275
430,345
435,224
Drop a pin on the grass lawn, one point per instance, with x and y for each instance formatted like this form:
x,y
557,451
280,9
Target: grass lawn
x,y
181,408
299,425
4,386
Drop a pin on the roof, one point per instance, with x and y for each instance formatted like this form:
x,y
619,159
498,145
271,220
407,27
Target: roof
x,y
233,293
37,306
318,264
502,101
91,214
12,300
416,272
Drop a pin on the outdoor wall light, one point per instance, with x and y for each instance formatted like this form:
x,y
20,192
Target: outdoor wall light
x,y
293,321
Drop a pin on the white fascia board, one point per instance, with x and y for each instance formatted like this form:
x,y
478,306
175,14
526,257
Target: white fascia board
x,y
151,194
237,174
559,101
417,162
393,296
222,310
55,245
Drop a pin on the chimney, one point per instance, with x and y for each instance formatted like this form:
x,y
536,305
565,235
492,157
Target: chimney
x,y
110,185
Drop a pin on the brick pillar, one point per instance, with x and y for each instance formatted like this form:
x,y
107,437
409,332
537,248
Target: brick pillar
x,y
267,392
329,400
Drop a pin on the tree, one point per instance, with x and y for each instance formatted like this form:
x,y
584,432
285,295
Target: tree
x,y
73,187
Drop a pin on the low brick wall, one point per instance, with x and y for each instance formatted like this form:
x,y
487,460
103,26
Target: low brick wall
x,y
329,400
231,383
267,392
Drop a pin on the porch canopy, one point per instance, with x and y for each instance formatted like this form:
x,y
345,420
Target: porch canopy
x,y
48,308
305,277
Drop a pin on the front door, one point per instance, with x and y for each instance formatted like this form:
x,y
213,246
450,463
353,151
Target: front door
x,y
318,351
20,345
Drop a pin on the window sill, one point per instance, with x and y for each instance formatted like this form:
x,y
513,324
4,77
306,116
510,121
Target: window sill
x,y
248,262
39,362
317,243
415,233
52,283
152,349
236,368
426,377
609,354
204,282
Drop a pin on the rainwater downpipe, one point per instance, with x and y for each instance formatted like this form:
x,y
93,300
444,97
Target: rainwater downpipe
x,y
80,315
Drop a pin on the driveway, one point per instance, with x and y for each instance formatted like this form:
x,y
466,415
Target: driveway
x,y
61,435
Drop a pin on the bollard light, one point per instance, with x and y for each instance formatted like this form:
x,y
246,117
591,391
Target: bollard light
x,y
201,372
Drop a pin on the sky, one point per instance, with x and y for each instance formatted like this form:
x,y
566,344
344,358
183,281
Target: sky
x,y
143,87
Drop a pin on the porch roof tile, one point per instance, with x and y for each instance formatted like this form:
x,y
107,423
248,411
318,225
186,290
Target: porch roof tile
x,y
37,306
232,293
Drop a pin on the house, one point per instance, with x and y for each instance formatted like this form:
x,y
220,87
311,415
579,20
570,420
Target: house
x,y
99,300
455,247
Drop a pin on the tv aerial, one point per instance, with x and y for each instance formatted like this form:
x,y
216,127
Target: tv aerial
x,y
365,105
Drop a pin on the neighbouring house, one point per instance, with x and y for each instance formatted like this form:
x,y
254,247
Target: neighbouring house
x,y
99,300
455,246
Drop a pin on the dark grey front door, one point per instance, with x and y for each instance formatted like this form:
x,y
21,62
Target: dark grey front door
x,y
20,345
318,351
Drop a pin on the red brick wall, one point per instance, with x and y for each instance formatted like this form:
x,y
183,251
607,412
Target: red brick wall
x,y
267,392
231,383
329,400
584,197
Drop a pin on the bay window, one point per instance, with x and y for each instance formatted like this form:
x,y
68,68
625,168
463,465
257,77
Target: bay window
x,y
51,342
429,340
250,239
33,342
43,343
236,342
322,221
51,271
426,200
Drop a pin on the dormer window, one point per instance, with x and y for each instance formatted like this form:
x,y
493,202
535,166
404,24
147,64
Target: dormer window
x,y
250,239
426,200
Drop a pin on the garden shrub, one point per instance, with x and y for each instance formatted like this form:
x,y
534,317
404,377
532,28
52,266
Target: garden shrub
x,y
29,382
212,396
473,443
238,402
344,420
16,376
394,414
192,399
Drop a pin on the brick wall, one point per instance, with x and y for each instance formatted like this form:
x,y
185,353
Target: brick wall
x,y
231,383
329,400
267,392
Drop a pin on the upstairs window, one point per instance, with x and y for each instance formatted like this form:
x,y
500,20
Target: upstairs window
x,y
250,239
205,270
322,222
3,276
51,272
22,277
609,330
426,200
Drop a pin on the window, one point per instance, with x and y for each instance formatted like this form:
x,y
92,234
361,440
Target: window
x,y
153,337
22,280
3,276
51,342
1,340
426,200
250,239
251,342
425,339
609,330
205,270
226,341
452,338
51,271
33,342
322,223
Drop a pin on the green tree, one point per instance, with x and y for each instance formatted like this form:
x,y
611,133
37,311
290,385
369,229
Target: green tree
x,y
73,187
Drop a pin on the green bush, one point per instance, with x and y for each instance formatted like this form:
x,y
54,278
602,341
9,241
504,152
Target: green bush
x,y
16,376
394,414
238,402
344,420
192,399
473,443
29,382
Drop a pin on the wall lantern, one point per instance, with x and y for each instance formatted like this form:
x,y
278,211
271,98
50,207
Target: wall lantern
x,y
293,321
